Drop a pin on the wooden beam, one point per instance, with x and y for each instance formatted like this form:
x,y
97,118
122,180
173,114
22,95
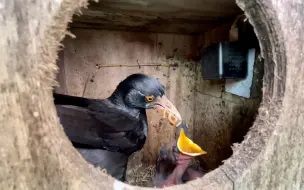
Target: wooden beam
x,y
193,17
145,23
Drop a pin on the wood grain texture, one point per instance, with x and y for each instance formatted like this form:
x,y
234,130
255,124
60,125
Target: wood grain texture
x,y
219,123
221,118
279,165
91,50
86,56
35,153
178,16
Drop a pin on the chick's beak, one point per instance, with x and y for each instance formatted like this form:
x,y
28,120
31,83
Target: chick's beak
x,y
187,146
169,111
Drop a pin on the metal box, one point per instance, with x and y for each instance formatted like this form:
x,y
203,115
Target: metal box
x,y
224,60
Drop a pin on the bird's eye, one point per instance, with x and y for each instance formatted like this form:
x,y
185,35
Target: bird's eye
x,y
149,98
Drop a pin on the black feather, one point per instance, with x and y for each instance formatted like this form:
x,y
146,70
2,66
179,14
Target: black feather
x,y
116,124
60,99
115,163
146,84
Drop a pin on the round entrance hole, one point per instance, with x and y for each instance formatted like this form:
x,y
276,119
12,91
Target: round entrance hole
x,y
115,40
35,146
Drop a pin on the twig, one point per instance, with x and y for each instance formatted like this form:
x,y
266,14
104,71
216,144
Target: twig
x,y
138,65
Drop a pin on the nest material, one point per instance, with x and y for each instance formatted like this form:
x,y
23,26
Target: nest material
x,y
141,175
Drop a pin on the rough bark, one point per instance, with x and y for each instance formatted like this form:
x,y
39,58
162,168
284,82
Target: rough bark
x,y
35,153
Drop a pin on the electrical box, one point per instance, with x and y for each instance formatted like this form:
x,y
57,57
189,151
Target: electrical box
x,y
224,60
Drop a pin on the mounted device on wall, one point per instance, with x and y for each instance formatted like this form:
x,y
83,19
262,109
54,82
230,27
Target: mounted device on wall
x,y
224,60
232,60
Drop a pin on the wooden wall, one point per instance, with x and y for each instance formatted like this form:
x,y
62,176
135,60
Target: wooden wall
x,y
178,16
92,64
221,118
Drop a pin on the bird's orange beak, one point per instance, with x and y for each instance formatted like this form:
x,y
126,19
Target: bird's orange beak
x,y
187,146
169,110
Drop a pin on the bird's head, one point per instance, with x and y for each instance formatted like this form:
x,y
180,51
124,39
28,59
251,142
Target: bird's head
x,y
145,92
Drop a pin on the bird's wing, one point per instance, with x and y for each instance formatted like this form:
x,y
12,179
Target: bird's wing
x,y
114,116
120,119
82,128
115,163
78,125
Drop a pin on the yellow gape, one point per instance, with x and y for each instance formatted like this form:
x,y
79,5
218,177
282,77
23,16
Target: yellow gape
x,y
187,146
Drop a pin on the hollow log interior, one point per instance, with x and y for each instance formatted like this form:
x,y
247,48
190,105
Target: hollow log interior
x,y
115,38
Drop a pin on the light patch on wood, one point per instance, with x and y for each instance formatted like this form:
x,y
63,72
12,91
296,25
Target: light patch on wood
x,y
243,87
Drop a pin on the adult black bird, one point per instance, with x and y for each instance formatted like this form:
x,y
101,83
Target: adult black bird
x,y
107,131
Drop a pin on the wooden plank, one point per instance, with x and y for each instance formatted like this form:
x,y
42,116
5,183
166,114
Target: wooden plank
x,y
192,6
102,47
86,55
35,153
218,124
193,17
221,118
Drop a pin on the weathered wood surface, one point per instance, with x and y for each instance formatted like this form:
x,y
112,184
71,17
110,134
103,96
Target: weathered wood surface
x,y
35,153
90,67
215,116
271,156
220,118
178,16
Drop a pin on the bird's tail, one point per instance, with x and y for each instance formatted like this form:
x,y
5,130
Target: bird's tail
x,y
60,99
